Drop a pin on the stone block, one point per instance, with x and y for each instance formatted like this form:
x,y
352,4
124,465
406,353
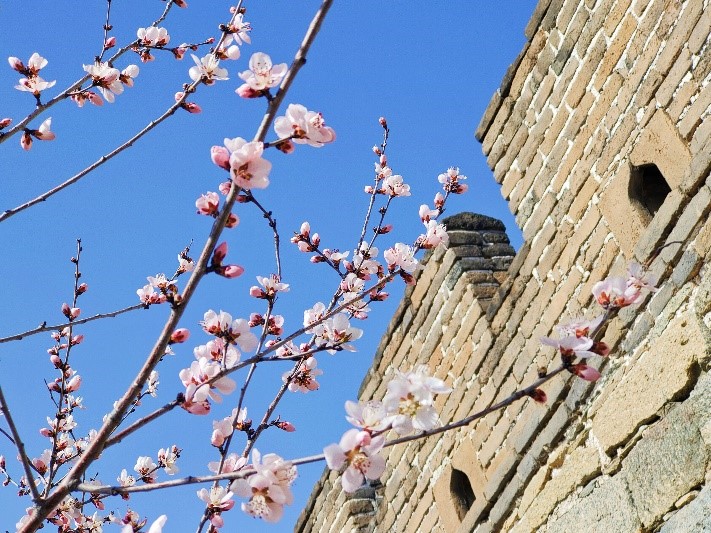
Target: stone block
x,y
666,370
607,508
694,516
671,458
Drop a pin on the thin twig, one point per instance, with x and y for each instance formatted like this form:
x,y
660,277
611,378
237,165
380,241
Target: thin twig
x,y
59,327
5,410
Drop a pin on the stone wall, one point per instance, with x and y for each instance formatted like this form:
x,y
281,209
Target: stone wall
x,y
599,137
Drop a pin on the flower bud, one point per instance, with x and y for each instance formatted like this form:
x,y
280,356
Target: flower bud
x,y
81,289
383,122
180,335
5,122
232,271
110,43
286,426
219,254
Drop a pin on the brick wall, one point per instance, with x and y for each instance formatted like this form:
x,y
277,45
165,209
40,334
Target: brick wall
x,y
599,137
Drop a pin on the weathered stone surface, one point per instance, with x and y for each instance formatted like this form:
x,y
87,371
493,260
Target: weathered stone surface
x,y
660,374
671,459
694,516
608,507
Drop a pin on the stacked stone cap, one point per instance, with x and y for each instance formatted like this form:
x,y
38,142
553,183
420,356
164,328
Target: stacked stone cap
x,y
483,253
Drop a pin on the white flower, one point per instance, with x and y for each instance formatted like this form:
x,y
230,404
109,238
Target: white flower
x,y
262,74
304,126
207,69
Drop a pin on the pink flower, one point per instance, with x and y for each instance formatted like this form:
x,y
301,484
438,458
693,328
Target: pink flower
x,y
304,378
128,75
615,293
571,347
208,204
370,416
401,256
450,181
272,285
269,489
153,36
106,78
34,85
410,400
436,235
335,333
261,74
218,499
247,167
394,185
82,97
195,379
359,451
304,126
231,331
426,213
239,30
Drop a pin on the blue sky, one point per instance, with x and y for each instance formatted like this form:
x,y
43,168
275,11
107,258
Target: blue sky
x,y
430,68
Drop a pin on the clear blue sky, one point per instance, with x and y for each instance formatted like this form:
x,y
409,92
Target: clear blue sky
x,y
430,68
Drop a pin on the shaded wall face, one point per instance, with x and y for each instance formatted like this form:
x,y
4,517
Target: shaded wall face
x,y
599,137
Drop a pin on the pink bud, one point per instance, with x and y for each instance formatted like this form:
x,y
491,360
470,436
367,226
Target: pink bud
x,y
16,64
232,271
53,350
232,221
220,156
81,289
383,160
76,339
368,189
245,91
26,141
286,147
383,122
191,107
180,335
385,229
585,372
305,229
286,426
5,122
66,310
73,384
219,254
56,360
316,239
225,186
109,43
2,462
53,386
376,150
217,438
256,292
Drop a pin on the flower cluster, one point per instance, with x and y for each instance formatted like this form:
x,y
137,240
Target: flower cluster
x,y
578,338
268,489
32,82
408,406
109,80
